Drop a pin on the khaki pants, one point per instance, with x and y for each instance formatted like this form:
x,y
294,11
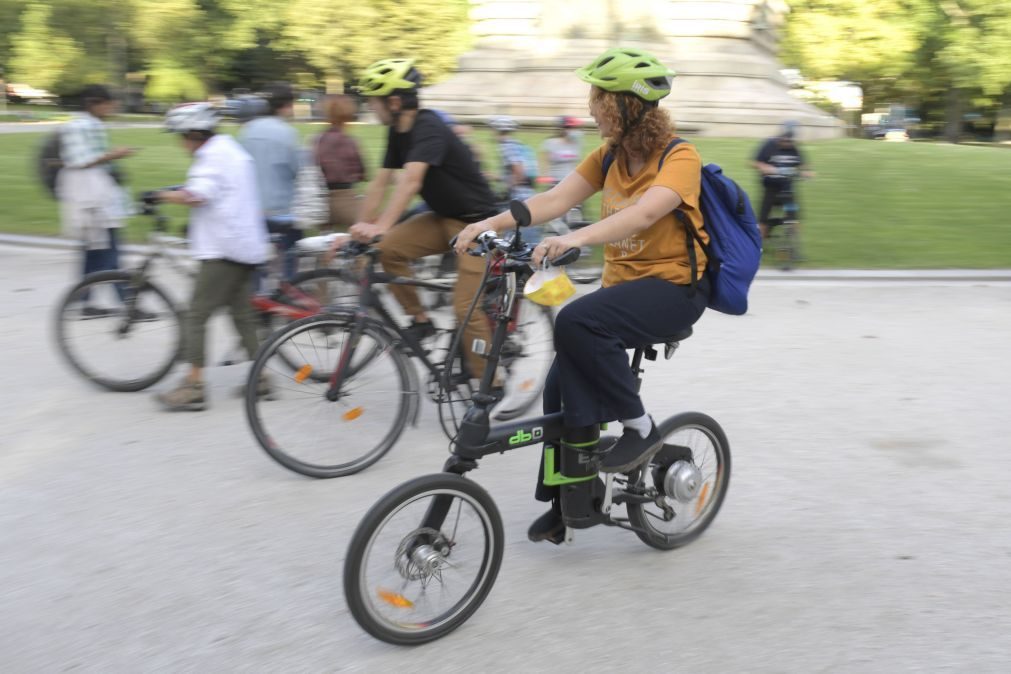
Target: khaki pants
x,y
344,206
429,234
220,283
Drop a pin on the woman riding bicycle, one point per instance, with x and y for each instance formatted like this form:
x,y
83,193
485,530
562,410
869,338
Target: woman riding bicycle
x,y
647,293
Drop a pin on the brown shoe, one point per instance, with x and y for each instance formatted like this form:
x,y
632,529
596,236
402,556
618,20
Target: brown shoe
x,y
263,388
188,397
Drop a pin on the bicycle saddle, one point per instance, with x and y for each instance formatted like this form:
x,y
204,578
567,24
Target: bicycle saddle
x,y
678,336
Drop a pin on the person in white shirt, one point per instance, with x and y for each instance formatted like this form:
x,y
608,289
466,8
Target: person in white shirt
x,y
227,235
92,205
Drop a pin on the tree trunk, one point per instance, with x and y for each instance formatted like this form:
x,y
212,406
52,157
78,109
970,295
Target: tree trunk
x,y
953,115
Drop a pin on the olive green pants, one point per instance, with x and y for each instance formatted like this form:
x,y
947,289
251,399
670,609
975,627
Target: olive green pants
x,y
220,284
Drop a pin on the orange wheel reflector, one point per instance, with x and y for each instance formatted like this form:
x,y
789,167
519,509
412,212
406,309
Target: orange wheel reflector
x,y
700,503
395,599
353,413
303,373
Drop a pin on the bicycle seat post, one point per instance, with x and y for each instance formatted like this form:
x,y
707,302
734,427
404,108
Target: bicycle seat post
x,y
637,369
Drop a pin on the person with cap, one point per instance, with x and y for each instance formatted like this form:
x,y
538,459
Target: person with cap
x,y
779,161
561,153
518,162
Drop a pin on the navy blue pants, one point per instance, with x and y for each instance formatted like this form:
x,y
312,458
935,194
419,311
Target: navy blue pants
x,y
591,380
105,258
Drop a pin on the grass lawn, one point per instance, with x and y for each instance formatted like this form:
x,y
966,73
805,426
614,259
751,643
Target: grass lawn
x,y
872,204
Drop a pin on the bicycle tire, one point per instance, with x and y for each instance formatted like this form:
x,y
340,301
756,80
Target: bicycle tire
x,y
331,321
105,381
705,500
587,269
346,281
519,403
357,592
277,322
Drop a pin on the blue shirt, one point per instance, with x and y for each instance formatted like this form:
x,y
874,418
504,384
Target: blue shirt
x,y
274,146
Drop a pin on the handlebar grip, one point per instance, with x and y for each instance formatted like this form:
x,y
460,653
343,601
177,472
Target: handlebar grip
x,y
568,257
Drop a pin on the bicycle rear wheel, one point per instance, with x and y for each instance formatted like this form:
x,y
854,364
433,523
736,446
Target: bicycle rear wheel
x,y
690,474
303,430
526,358
328,288
119,333
423,559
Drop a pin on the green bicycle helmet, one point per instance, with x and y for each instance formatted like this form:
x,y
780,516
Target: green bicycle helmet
x,y
631,71
386,77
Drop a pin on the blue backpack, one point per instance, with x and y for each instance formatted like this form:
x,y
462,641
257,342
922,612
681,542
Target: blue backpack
x,y
735,244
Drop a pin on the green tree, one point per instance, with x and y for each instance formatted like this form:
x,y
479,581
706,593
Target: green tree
x,y
942,54
343,39
41,56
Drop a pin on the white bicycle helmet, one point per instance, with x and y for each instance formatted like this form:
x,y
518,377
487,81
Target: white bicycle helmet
x,y
191,117
503,123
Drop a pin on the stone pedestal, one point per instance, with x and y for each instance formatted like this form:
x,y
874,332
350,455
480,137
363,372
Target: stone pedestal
x,y
728,81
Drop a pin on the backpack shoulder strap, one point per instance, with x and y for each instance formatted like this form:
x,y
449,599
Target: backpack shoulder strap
x,y
670,146
606,165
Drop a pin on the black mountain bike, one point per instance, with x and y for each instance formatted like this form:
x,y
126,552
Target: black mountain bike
x,y
426,555
353,390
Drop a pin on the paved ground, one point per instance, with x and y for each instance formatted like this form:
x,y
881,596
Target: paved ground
x,y
866,527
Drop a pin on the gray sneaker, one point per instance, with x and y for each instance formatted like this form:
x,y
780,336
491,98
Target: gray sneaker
x,y
187,397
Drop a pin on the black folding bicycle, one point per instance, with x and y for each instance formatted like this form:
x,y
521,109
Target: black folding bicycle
x,y
426,555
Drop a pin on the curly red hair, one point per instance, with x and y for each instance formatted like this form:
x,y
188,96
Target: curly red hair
x,y
652,133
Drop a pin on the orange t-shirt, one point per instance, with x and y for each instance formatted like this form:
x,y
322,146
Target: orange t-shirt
x,y
659,251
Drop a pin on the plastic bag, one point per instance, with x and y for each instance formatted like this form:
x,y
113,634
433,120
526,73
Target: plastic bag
x,y
549,286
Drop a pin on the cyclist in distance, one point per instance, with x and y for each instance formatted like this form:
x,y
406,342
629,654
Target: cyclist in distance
x,y
778,161
517,175
648,289
440,167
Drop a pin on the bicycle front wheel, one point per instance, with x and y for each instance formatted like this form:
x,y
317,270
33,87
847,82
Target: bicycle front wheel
x,y
526,357
119,333
690,475
589,267
294,420
423,559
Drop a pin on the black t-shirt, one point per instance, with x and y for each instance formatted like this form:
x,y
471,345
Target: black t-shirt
x,y
453,186
780,156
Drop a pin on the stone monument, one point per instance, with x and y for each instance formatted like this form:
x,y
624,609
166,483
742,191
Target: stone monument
x,y
724,52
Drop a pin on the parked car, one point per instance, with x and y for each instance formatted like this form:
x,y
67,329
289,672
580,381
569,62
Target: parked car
x,y
23,93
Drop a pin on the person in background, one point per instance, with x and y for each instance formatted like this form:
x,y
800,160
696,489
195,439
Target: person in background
x,y
92,205
228,237
779,161
340,159
517,178
274,145
561,153
423,158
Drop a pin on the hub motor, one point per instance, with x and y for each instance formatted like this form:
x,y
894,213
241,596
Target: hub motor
x,y
682,481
